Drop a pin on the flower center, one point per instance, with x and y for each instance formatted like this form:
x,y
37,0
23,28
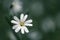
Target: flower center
x,y
21,23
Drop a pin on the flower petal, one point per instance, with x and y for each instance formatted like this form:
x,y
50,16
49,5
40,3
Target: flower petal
x,y
17,19
26,30
22,30
29,21
14,22
25,17
28,25
21,16
15,26
17,30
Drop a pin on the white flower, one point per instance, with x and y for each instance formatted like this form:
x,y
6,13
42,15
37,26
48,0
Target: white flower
x,y
20,24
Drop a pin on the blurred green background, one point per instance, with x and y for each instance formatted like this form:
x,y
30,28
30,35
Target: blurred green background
x,y
45,15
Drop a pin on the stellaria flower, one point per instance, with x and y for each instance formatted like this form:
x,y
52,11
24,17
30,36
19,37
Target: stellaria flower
x,y
20,24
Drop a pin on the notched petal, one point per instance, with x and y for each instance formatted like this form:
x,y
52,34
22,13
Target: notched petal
x,y
16,18
28,24
14,22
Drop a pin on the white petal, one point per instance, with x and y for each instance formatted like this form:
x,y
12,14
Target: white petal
x,y
17,19
21,16
18,29
14,22
15,26
28,21
28,25
26,30
22,30
25,17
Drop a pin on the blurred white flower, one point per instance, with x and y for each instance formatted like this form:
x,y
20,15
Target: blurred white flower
x,y
20,24
35,35
17,6
58,19
10,35
37,9
48,25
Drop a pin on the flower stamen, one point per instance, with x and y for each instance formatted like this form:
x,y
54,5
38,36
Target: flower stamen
x,y
21,23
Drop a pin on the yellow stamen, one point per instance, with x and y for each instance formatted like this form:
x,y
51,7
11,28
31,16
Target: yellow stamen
x,y
21,23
